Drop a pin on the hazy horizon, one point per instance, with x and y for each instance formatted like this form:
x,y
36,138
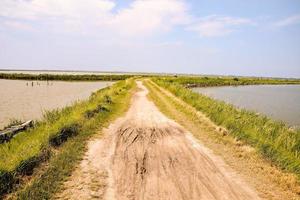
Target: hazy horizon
x,y
136,72
159,36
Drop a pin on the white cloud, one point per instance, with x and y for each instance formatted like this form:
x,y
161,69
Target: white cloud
x,y
41,9
214,25
102,18
142,17
295,19
148,16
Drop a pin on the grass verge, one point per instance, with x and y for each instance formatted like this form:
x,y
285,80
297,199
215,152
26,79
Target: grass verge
x,y
61,138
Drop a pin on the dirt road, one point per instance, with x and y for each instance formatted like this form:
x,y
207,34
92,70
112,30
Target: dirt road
x,y
145,155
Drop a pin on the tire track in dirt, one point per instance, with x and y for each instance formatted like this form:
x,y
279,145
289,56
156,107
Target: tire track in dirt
x,y
145,155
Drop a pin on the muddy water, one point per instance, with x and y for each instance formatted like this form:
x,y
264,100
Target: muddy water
x,y
280,102
26,100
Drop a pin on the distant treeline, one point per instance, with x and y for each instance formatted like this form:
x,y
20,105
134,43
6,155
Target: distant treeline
x,y
226,81
65,77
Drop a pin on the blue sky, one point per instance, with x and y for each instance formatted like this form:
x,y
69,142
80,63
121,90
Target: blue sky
x,y
229,37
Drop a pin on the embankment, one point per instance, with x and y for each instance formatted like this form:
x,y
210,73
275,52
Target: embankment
x,y
232,142
57,143
272,139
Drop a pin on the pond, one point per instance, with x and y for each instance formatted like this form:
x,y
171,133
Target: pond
x,y
25,100
280,102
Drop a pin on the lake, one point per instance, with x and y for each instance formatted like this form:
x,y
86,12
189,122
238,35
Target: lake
x,y
24,100
280,102
53,72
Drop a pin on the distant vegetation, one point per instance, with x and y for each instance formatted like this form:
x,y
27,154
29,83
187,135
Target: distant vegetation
x,y
276,141
189,81
226,81
64,77
28,149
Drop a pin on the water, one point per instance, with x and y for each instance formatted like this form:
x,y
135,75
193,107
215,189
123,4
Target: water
x,y
26,100
280,102
53,72
37,72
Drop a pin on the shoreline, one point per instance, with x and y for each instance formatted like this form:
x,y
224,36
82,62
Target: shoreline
x,y
30,100
54,140
266,135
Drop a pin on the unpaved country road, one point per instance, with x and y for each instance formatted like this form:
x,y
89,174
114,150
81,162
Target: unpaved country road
x,y
145,155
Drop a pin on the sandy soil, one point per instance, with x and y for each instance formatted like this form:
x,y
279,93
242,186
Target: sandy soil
x,y
145,155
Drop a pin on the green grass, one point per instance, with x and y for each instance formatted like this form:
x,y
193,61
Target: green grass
x,y
222,81
64,77
274,140
59,128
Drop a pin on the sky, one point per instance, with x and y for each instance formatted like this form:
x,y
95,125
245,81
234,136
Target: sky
x,y
222,37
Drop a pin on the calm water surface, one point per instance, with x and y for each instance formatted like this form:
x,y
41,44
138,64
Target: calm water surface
x,y
26,100
280,102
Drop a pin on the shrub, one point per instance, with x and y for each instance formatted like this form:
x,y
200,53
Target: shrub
x,y
6,181
64,133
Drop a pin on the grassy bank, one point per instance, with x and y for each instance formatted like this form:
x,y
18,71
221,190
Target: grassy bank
x,y
274,140
270,181
63,77
226,81
61,138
